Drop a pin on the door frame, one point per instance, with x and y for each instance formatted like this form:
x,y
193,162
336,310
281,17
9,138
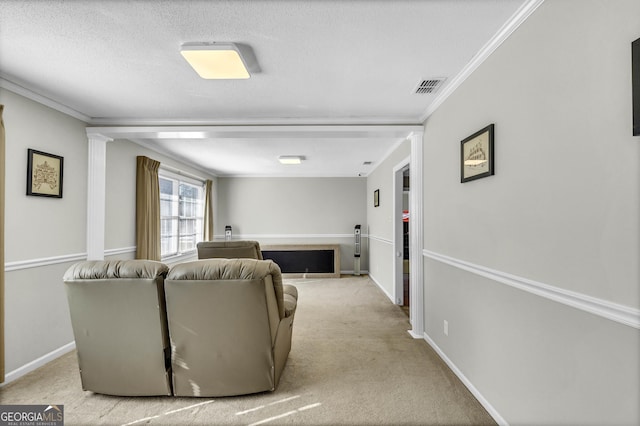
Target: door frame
x,y
398,231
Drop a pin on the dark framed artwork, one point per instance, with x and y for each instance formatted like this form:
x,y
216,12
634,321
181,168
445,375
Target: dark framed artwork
x,y
476,155
44,174
376,198
635,85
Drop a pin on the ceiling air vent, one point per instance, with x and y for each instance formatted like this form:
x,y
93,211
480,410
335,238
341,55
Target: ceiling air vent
x,y
429,86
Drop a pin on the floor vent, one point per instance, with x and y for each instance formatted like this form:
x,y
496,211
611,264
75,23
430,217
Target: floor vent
x,y
429,86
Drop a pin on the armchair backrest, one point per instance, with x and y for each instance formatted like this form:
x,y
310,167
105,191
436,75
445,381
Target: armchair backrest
x,y
229,250
119,322
223,317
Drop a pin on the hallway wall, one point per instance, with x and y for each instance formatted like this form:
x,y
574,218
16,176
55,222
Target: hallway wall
x,y
381,226
536,268
43,236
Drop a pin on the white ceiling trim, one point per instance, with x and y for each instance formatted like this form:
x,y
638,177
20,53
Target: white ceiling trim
x,y
30,94
98,121
398,131
253,121
143,136
507,29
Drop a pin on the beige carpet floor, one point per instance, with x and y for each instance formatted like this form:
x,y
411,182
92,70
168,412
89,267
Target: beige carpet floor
x,y
352,363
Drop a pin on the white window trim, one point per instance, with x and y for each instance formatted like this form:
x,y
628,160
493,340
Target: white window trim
x,y
180,176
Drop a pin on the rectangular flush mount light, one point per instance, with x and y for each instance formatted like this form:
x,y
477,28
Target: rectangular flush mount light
x,y
290,159
215,60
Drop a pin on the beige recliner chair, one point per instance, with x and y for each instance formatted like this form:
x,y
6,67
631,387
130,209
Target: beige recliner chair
x,y
243,249
229,250
230,325
119,322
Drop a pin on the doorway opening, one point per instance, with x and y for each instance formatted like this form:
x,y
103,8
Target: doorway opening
x,y
405,241
402,235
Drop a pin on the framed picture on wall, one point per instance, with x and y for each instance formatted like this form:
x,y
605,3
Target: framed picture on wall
x,y
635,85
476,155
376,198
44,174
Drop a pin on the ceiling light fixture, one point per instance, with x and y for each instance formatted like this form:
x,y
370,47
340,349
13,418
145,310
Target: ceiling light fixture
x,y
215,60
290,159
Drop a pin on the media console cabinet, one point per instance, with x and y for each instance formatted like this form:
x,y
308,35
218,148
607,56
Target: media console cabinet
x,y
305,260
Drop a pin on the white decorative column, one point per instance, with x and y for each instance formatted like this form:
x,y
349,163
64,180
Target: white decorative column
x,y
96,193
416,233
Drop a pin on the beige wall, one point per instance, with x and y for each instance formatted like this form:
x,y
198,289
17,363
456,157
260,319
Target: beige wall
x,y
294,210
381,226
40,232
121,191
562,210
44,236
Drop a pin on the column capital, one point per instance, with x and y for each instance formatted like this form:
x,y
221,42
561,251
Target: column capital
x,y
97,137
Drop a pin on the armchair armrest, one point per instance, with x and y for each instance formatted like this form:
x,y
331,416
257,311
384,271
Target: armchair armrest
x,y
290,305
291,290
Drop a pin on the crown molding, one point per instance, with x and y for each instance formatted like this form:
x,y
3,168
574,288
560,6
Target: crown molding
x,y
233,121
503,33
161,122
30,94
256,121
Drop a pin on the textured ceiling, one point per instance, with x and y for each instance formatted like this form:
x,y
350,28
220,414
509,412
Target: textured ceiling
x,y
320,62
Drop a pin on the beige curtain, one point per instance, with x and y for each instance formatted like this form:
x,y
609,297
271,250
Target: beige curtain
x,y
147,209
2,179
208,211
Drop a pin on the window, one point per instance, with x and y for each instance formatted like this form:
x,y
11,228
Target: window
x,y
181,214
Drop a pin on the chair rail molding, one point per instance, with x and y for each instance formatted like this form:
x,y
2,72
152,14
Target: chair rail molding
x,y
45,261
119,251
619,313
284,236
381,239
65,258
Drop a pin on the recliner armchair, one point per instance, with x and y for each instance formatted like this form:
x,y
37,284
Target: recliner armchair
x,y
229,249
242,249
230,324
119,322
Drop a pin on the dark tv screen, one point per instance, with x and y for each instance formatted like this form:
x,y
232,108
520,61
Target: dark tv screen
x,y
635,71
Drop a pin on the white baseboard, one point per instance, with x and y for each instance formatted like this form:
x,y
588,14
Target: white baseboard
x,y
351,272
27,368
414,334
476,393
382,288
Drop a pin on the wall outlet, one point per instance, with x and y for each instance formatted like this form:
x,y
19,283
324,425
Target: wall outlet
x,y
446,328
